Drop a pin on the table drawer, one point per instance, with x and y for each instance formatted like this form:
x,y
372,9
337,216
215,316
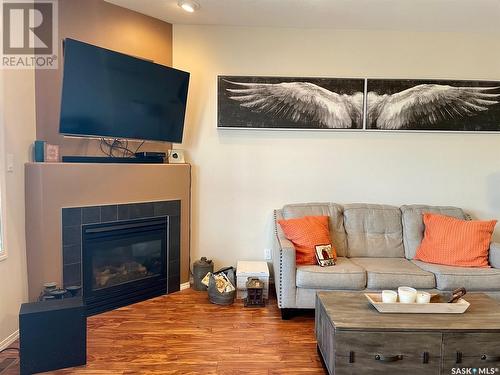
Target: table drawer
x,y
409,343
483,349
387,352
367,366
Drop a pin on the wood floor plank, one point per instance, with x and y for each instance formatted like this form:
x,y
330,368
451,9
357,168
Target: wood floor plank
x,y
183,333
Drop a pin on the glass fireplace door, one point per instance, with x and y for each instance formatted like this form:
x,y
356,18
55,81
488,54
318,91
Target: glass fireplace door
x,y
121,257
126,259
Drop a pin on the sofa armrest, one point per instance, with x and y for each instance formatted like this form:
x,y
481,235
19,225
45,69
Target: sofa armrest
x,y
495,255
284,266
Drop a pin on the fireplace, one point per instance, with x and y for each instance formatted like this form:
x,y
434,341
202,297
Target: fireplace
x,y
122,254
123,262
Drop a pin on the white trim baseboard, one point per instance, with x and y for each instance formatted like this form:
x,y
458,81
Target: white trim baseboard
x,y
185,286
9,340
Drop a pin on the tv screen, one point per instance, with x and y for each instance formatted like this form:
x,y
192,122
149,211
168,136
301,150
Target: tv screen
x,y
109,94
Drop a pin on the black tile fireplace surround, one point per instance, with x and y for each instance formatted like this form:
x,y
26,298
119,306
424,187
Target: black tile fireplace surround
x,y
121,254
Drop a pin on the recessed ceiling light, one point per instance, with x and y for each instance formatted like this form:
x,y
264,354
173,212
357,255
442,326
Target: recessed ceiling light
x,y
189,5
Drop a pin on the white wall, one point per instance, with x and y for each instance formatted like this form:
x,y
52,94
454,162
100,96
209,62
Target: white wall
x,y
240,176
18,120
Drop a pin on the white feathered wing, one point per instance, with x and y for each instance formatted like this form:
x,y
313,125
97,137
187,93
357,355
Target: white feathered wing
x,y
301,101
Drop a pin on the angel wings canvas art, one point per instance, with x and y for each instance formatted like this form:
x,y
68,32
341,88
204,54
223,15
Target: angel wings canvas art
x,y
329,103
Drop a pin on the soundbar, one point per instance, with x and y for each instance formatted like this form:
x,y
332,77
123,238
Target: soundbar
x,y
109,159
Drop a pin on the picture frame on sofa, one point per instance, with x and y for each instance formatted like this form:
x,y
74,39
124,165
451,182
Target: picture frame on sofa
x,y
324,255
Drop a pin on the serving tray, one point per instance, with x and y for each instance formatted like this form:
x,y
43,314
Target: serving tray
x,y
436,306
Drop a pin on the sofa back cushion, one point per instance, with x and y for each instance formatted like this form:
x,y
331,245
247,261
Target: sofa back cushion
x,y
373,231
413,224
336,220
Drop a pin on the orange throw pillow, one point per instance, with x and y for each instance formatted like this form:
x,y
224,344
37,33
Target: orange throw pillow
x,y
455,242
305,233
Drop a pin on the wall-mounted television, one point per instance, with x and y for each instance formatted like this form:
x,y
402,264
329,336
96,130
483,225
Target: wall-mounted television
x,y
110,94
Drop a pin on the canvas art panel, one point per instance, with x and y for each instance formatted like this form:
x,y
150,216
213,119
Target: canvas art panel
x,y
432,105
290,103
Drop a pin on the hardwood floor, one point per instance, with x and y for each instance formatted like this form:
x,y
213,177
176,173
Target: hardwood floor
x,y
183,333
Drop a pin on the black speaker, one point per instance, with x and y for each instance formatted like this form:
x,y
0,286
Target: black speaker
x,y
52,335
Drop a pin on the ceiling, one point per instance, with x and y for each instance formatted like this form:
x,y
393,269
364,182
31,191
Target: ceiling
x,y
405,15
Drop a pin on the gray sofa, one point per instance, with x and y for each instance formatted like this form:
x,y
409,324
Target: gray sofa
x,y
375,245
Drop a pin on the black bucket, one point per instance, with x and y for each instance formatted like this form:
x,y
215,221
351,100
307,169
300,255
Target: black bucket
x,y
225,298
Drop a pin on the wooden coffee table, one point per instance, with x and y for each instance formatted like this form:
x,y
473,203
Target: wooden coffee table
x,y
354,338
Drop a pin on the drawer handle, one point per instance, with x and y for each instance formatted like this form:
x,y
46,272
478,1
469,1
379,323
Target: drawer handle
x,y
490,358
383,358
425,357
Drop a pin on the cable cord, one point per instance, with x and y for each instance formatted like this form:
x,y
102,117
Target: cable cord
x,y
108,147
138,147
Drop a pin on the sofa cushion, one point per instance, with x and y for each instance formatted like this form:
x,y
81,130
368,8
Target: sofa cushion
x,y
413,224
373,231
344,275
334,211
306,233
391,273
472,279
455,242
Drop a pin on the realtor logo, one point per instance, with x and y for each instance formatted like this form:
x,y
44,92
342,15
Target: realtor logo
x,y
29,34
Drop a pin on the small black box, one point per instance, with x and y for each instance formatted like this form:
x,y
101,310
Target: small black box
x,y
52,335
150,154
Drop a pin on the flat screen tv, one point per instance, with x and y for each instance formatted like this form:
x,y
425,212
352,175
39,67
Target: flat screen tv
x,y
110,94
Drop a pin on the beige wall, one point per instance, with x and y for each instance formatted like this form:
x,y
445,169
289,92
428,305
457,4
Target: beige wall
x,y
240,176
17,116
109,26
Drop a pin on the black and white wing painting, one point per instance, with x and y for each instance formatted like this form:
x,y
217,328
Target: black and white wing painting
x,y
433,105
333,103
294,103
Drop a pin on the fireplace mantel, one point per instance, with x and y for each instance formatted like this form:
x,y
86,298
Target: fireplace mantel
x,y
52,186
